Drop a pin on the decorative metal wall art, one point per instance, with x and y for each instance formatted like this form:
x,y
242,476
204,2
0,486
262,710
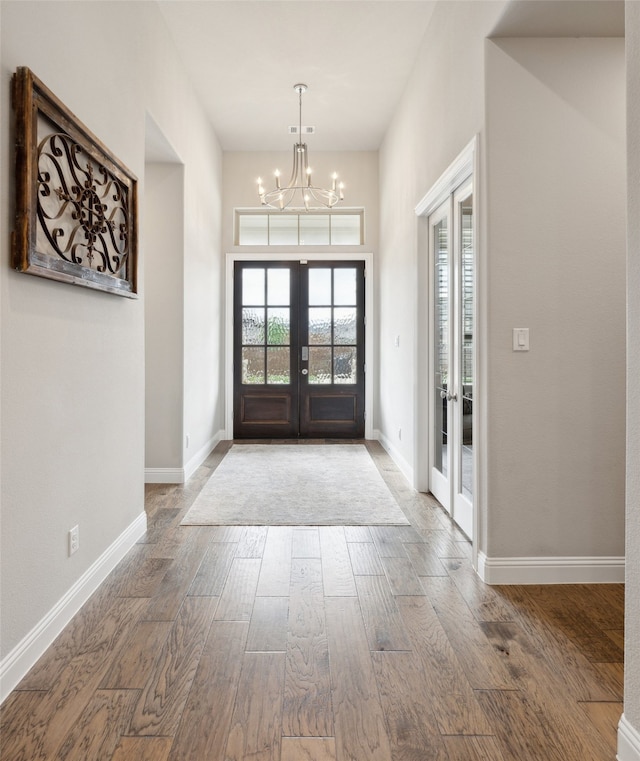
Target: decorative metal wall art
x,y
76,203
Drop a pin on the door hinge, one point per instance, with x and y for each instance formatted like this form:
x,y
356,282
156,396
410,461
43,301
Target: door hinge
x,y
364,368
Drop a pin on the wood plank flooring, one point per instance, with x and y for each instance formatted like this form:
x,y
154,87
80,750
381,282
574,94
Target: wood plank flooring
x,y
321,644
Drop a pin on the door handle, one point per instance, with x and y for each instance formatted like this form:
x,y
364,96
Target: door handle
x,y
305,371
448,396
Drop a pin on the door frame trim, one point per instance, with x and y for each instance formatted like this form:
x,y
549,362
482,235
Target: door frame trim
x,y
232,258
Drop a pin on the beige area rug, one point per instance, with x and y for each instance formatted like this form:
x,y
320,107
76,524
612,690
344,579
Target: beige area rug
x,y
295,485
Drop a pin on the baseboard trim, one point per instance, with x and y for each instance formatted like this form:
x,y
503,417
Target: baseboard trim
x,y
201,455
181,475
25,654
395,455
628,741
164,475
554,570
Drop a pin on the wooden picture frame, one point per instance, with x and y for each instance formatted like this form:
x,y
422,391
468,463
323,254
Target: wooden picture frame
x,y
76,203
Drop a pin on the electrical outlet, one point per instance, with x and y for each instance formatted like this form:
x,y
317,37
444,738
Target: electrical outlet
x,y
74,540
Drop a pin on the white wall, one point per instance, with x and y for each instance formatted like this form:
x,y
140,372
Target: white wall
x,y
204,303
555,155
441,110
552,205
73,359
358,171
632,622
164,315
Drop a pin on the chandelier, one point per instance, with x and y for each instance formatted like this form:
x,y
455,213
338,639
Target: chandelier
x,y
300,192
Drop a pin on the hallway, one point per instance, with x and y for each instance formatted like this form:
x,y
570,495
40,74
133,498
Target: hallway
x,y
321,644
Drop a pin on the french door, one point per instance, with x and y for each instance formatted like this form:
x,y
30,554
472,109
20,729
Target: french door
x,y
451,232
298,349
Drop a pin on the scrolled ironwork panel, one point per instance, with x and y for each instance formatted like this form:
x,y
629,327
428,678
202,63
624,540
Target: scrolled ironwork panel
x,y
76,204
82,211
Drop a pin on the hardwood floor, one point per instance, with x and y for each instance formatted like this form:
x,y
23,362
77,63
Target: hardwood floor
x,y
321,644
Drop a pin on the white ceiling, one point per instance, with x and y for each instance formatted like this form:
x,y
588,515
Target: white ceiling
x,y
562,18
244,56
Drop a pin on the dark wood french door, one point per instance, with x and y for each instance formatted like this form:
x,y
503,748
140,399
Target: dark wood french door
x,y
298,350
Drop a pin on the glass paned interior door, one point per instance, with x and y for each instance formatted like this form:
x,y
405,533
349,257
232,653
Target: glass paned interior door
x,y
452,339
462,376
441,338
466,317
442,348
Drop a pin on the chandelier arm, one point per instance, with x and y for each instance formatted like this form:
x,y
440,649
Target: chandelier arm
x,y
326,197
294,171
304,168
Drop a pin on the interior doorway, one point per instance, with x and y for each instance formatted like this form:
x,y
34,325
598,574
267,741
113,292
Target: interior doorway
x,y
452,346
299,348
448,454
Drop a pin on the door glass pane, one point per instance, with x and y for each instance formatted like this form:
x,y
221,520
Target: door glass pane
x,y
319,325
344,325
344,286
278,326
466,348
283,229
314,229
278,365
441,336
278,289
252,326
253,287
344,364
253,364
319,286
319,364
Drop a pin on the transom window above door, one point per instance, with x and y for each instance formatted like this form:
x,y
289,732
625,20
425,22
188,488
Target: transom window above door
x,y
254,227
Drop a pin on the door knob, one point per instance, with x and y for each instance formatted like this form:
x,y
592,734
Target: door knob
x,y
448,396
305,371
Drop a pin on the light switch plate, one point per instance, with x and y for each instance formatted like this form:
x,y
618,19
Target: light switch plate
x,y
521,339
